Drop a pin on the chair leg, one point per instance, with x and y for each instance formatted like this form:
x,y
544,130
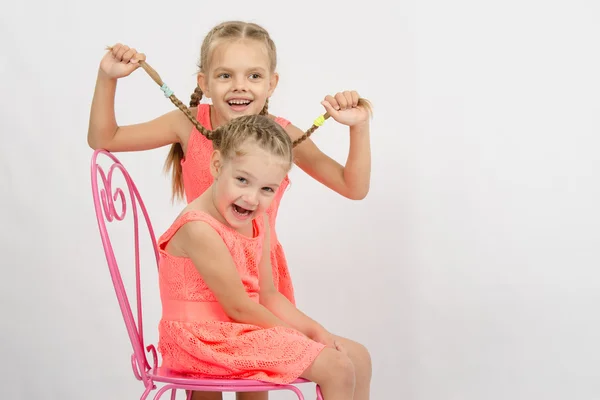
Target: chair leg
x,y
173,388
297,391
319,394
146,392
162,390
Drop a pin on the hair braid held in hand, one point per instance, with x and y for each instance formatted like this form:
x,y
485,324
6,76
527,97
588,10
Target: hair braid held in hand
x,y
197,97
176,153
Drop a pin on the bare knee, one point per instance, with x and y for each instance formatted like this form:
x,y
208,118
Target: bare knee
x,y
344,370
360,356
364,358
332,368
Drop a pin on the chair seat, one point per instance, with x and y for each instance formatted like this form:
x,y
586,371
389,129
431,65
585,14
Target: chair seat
x,y
166,375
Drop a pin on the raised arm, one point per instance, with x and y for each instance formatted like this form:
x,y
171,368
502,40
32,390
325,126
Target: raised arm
x,y
353,179
103,131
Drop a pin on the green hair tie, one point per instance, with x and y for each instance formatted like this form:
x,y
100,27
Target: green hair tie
x,y
168,92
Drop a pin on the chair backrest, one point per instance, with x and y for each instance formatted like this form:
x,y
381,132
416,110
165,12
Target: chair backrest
x,y
111,206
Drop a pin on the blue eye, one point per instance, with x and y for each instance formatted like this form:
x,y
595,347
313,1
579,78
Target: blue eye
x,y
268,189
242,180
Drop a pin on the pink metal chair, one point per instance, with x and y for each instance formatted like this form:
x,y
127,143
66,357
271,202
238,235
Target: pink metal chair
x,y
111,205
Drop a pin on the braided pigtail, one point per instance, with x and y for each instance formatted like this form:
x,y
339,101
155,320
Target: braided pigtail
x,y
321,119
176,154
196,97
265,110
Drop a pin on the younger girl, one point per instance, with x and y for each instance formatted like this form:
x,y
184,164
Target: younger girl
x,y
222,315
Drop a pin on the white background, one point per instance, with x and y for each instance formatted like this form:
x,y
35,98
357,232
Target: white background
x,y
471,269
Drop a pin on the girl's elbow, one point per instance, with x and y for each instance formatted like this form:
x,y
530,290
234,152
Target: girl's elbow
x,y
235,312
240,312
101,141
96,144
358,194
92,143
267,297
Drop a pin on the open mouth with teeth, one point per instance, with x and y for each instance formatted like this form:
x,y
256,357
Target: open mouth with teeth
x,y
239,104
241,212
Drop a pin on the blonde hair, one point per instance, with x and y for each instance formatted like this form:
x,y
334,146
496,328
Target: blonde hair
x,y
261,130
230,30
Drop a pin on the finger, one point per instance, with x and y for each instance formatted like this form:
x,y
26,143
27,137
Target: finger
x,y
329,108
355,97
341,348
342,101
348,97
122,50
332,101
117,51
139,57
128,55
115,48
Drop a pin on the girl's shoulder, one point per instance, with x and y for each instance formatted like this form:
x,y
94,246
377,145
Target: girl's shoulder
x,y
280,120
287,125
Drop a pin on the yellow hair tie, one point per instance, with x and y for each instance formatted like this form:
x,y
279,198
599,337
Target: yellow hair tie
x,y
319,121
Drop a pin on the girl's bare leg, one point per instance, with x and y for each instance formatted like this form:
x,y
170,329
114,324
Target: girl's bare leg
x,y
252,396
207,396
361,359
334,372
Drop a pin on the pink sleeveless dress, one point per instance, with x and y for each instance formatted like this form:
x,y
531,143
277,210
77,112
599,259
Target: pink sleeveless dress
x,y
197,178
198,339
